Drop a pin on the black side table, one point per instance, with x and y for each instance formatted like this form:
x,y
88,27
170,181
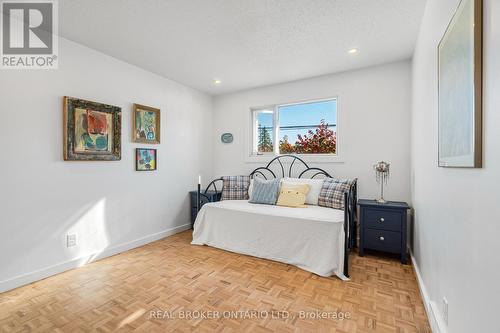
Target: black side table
x,y
212,197
383,227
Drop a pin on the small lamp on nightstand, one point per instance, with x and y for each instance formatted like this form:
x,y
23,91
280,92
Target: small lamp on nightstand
x,y
382,175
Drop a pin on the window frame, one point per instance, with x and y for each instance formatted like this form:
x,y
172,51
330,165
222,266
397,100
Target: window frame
x,y
253,123
253,157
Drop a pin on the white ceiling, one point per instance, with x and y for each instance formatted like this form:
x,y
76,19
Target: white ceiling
x,y
244,43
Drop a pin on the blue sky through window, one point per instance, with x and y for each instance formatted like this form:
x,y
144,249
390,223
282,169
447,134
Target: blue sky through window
x,y
306,114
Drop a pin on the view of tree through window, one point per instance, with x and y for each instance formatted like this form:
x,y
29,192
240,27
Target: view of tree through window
x,y
264,125
301,128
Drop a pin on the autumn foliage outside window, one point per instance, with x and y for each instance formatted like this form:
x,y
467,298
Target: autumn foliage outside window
x,y
320,141
298,128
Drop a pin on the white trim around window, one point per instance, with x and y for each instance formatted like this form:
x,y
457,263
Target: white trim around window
x,y
252,157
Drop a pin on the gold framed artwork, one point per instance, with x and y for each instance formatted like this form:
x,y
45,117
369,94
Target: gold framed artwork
x,y
92,131
460,70
146,128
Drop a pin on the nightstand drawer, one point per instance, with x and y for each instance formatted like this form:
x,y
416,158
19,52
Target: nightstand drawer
x,y
382,240
383,219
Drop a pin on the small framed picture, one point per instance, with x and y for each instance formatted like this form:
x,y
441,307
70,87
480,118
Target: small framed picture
x,y
145,159
146,124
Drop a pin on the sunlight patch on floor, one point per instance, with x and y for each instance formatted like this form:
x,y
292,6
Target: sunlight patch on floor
x,y
134,316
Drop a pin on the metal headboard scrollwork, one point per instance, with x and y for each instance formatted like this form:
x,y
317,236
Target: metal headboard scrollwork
x,y
282,166
288,166
203,198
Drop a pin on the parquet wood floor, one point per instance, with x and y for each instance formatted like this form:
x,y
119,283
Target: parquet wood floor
x,y
150,288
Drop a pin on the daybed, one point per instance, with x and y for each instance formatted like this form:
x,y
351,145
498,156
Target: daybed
x,y
316,239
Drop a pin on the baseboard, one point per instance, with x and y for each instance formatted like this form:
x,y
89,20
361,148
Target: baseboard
x,y
43,273
435,320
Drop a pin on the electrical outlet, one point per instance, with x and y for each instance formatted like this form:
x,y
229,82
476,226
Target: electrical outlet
x,y
445,310
71,240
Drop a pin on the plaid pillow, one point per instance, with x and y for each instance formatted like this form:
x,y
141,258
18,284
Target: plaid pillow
x,y
235,187
332,192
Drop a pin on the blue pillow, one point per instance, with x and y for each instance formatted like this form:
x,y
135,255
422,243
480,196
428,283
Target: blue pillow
x,y
265,191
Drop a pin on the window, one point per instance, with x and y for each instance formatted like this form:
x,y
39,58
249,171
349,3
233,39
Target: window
x,y
263,124
298,128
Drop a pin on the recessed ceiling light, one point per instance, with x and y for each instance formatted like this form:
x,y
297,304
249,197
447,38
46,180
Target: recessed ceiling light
x,y
217,82
353,51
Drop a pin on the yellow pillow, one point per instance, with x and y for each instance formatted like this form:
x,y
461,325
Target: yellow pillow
x,y
293,195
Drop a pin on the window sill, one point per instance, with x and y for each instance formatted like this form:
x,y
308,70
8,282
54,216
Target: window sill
x,y
308,158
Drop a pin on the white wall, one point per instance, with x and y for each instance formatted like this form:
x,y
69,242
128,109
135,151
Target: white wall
x,y
108,204
457,211
374,124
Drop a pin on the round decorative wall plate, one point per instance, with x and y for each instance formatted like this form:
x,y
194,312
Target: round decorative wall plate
x,y
226,138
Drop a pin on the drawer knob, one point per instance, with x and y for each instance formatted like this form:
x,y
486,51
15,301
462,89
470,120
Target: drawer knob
x,y
382,238
382,219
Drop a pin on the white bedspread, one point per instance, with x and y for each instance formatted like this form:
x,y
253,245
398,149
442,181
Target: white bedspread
x,y
311,238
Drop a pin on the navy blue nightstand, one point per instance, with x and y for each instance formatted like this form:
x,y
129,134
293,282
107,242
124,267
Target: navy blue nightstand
x,y
212,197
383,227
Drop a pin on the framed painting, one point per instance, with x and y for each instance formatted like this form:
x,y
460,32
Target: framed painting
x,y
92,131
145,159
146,124
460,88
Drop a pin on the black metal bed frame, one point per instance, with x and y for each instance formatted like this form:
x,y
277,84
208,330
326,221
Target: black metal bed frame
x,y
301,170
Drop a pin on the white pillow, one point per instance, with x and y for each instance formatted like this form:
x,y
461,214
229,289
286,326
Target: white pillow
x,y
315,186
